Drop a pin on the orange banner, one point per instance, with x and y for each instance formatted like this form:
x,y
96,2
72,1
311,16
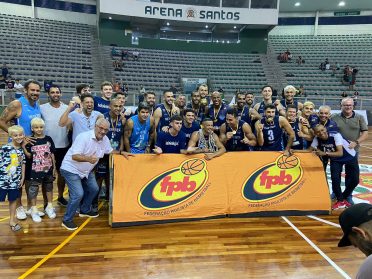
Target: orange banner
x,y
166,188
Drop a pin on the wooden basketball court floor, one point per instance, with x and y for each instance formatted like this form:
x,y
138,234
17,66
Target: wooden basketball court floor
x,y
271,247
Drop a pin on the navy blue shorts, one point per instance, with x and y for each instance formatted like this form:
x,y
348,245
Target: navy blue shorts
x,y
13,194
102,168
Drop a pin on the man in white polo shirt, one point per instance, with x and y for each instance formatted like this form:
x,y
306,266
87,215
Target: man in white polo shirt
x,y
77,169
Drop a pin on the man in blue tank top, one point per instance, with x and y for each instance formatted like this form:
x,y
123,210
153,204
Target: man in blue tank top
x,y
102,104
267,93
22,111
165,111
236,134
217,111
289,93
245,112
173,141
195,104
270,131
139,132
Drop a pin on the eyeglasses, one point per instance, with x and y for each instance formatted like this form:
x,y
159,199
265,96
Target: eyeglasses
x,y
103,129
347,105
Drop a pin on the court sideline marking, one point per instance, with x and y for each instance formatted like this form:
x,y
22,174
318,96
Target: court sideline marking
x,y
332,263
324,221
59,247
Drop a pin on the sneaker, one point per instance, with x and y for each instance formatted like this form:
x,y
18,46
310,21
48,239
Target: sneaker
x,y
347,204
350,200
339,205
41,214
91,214
70,225
35,217
21,213
49,210
62,201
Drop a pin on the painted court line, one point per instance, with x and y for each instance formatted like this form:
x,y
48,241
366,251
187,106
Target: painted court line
x,y
324,221
59,247
332,263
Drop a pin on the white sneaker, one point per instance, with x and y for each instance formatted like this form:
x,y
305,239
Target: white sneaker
x,y
21,213
50,212
35,217
41,214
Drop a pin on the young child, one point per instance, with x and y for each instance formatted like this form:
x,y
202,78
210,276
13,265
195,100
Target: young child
x,y
40,169
12,172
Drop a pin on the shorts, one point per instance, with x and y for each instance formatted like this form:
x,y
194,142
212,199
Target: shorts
x,y
32,187
102,169
59,154
13,194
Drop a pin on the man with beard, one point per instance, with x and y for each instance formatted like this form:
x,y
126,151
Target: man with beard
x,y
235,134
189,125
102,104
115,134
356,224
249,99
165,111
270,131
181,102
81,120
245,113
22,111
289,93
267,93
196,106
206,141
139,132
172,141
203,91
301,132
217,111
51,113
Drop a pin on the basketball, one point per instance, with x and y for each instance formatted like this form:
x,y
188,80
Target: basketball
x,y
192,166
285,162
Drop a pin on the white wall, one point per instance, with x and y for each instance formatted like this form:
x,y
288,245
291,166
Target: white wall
x,y
322,29
14,9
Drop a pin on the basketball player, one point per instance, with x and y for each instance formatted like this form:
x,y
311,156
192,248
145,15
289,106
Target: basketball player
x,y
301,132
203,91
189,125
267,93
270,131
235,134
172,141
206,141
181,102
102,104
139,132
245,113
217,111
249,99
289,93
196,106
165,111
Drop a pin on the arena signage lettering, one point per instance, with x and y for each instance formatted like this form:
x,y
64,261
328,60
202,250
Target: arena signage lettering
x,y
174,186
163,11
219,15
273,180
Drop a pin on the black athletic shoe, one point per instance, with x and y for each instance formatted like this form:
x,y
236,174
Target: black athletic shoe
x,y
70,225
61,201
91,214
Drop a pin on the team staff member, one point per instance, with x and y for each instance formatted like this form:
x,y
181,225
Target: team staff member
x,y
270,131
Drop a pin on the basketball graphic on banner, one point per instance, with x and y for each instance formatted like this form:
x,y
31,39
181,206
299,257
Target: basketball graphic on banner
x,y
287,162
192,166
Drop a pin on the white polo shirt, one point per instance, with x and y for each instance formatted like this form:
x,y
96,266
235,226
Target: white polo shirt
x,y
85,144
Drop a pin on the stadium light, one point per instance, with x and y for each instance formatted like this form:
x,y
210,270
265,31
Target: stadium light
x,y
341,4
297,4
206,26
235,27
110,17
167,23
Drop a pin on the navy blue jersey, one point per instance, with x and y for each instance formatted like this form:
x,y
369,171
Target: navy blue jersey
x,y
273,135
261,109
116,130
298,142
101,105
235,144
284,103
244,115
199,113
330,125
171,144
195,126
219,116
165,117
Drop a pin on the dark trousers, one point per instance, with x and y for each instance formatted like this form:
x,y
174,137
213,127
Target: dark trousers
x,y
351,177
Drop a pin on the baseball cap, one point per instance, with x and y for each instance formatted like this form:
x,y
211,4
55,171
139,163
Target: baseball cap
x,y
352,217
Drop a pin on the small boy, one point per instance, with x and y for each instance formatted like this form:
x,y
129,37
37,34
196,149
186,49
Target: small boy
x,y
12,172
40,169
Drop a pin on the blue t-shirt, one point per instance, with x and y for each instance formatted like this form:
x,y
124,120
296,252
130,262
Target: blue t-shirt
x,y
101,105
330,125
11,161
188,131
171,144
139,138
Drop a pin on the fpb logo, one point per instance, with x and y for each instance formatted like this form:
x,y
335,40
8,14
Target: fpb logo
x,y
273,180
174,186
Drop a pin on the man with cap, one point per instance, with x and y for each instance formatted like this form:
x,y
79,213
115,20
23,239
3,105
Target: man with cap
x,y
356,223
